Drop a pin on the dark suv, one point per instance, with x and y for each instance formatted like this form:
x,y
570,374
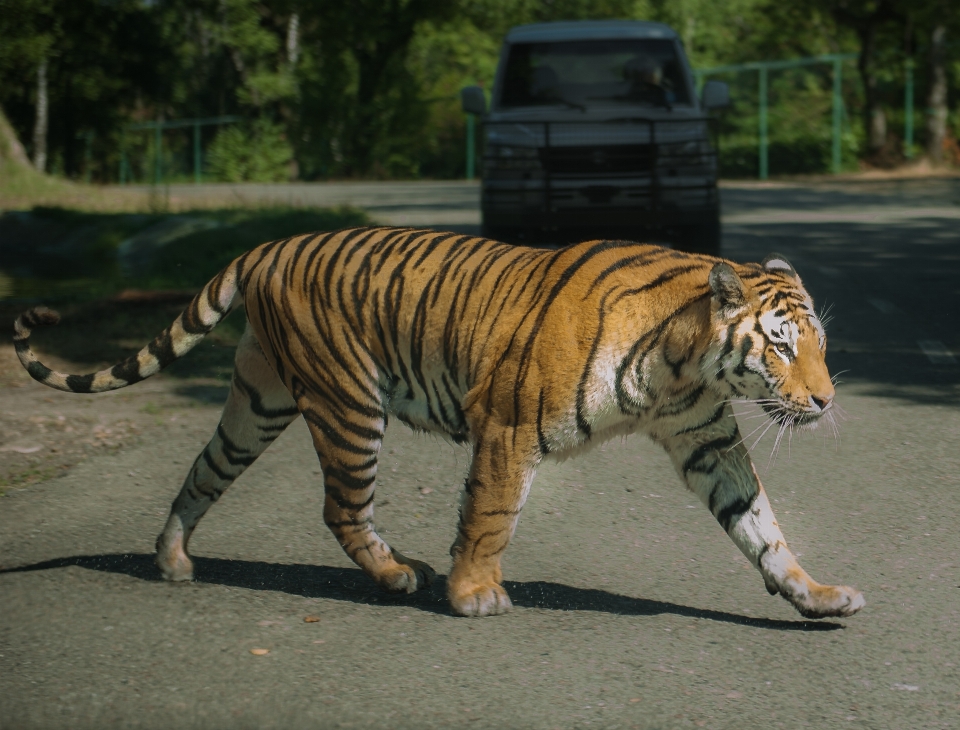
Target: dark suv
x,y
595,130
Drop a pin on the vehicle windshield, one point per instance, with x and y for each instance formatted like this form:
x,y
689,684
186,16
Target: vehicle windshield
x,y
578,74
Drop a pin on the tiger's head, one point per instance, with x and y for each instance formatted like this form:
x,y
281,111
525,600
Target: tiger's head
x,y
771,341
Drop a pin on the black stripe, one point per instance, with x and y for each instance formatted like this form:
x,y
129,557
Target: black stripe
x,y
128,370
344,503
256,402
541,438
80,383
162,349
354,484
191,322
229,444
665,277
215,468
333,434
745,346
39,371
733,510
685,402
696,460
709,422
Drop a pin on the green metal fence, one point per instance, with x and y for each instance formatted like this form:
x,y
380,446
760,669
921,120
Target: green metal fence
x,y
763,69
158,127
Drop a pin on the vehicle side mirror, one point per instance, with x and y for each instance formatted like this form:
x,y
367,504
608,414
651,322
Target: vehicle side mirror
x,y
473,100
715,95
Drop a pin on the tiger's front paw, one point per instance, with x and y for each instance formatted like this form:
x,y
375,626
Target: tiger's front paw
x,y
826,601
488,599
406,575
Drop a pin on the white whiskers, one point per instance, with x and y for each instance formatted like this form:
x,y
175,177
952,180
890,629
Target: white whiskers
x,y
786,420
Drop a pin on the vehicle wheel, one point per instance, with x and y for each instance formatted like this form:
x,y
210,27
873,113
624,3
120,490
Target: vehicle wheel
x,y
702,238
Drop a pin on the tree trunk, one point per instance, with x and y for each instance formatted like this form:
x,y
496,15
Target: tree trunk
x,y
40,125
10,148
293,40
874,117
937,96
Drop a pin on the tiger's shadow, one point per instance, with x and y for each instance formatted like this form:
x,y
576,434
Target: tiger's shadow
x,y
350,584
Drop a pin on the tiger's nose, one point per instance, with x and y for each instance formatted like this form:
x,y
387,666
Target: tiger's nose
x,y
821,401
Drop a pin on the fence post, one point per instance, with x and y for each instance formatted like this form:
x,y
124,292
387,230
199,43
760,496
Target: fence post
x,y
764,161
87,156
837,156
196,153
158,153
908,110
123,158
471,147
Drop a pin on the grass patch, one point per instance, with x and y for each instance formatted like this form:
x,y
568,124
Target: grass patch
x,y
27,476
58,255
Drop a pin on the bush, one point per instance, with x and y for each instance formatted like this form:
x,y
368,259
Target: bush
x,y
255,152
740,158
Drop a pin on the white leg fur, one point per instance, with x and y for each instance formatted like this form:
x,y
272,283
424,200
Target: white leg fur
x,y
716,467
758,536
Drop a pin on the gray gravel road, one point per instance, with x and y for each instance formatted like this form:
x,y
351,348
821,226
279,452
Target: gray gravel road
x,y
633,609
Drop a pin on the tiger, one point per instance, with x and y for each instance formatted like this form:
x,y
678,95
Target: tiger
x,y
521,353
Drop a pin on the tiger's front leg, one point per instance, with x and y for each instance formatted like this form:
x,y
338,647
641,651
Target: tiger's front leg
x,y
717,468
499,481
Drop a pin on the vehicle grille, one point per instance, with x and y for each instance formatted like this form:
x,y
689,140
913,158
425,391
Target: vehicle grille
x,y
609,159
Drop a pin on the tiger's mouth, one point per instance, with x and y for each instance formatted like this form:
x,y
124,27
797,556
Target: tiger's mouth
x,y
787,414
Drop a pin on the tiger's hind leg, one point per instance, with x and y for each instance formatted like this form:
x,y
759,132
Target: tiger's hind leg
x,y
348,441
257,410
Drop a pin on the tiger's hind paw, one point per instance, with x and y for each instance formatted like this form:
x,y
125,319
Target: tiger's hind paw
x,y
176,566
480,600
172,558
406,575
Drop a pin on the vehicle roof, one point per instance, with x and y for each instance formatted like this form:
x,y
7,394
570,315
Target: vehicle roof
x,y
577,30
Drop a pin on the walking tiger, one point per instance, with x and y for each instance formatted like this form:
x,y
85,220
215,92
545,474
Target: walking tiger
x,y
522,353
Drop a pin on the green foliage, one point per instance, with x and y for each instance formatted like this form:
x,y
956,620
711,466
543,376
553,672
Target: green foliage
x,y
258,152
369,88
191,261
101,57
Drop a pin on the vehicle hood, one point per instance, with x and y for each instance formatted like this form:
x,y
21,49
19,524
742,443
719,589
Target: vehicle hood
x,y
592,114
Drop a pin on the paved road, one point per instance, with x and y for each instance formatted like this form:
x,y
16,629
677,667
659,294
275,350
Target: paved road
x,y
633,609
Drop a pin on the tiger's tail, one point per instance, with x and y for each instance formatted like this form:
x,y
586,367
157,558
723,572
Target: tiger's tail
x,y
214,302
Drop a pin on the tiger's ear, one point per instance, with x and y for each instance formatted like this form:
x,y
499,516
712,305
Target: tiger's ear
x,y
778,263
728,288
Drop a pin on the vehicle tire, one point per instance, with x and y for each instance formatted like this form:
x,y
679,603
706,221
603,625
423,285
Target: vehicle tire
x,y
703,237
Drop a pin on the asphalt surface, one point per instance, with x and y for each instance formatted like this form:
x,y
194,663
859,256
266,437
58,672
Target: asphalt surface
x,y
633,609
